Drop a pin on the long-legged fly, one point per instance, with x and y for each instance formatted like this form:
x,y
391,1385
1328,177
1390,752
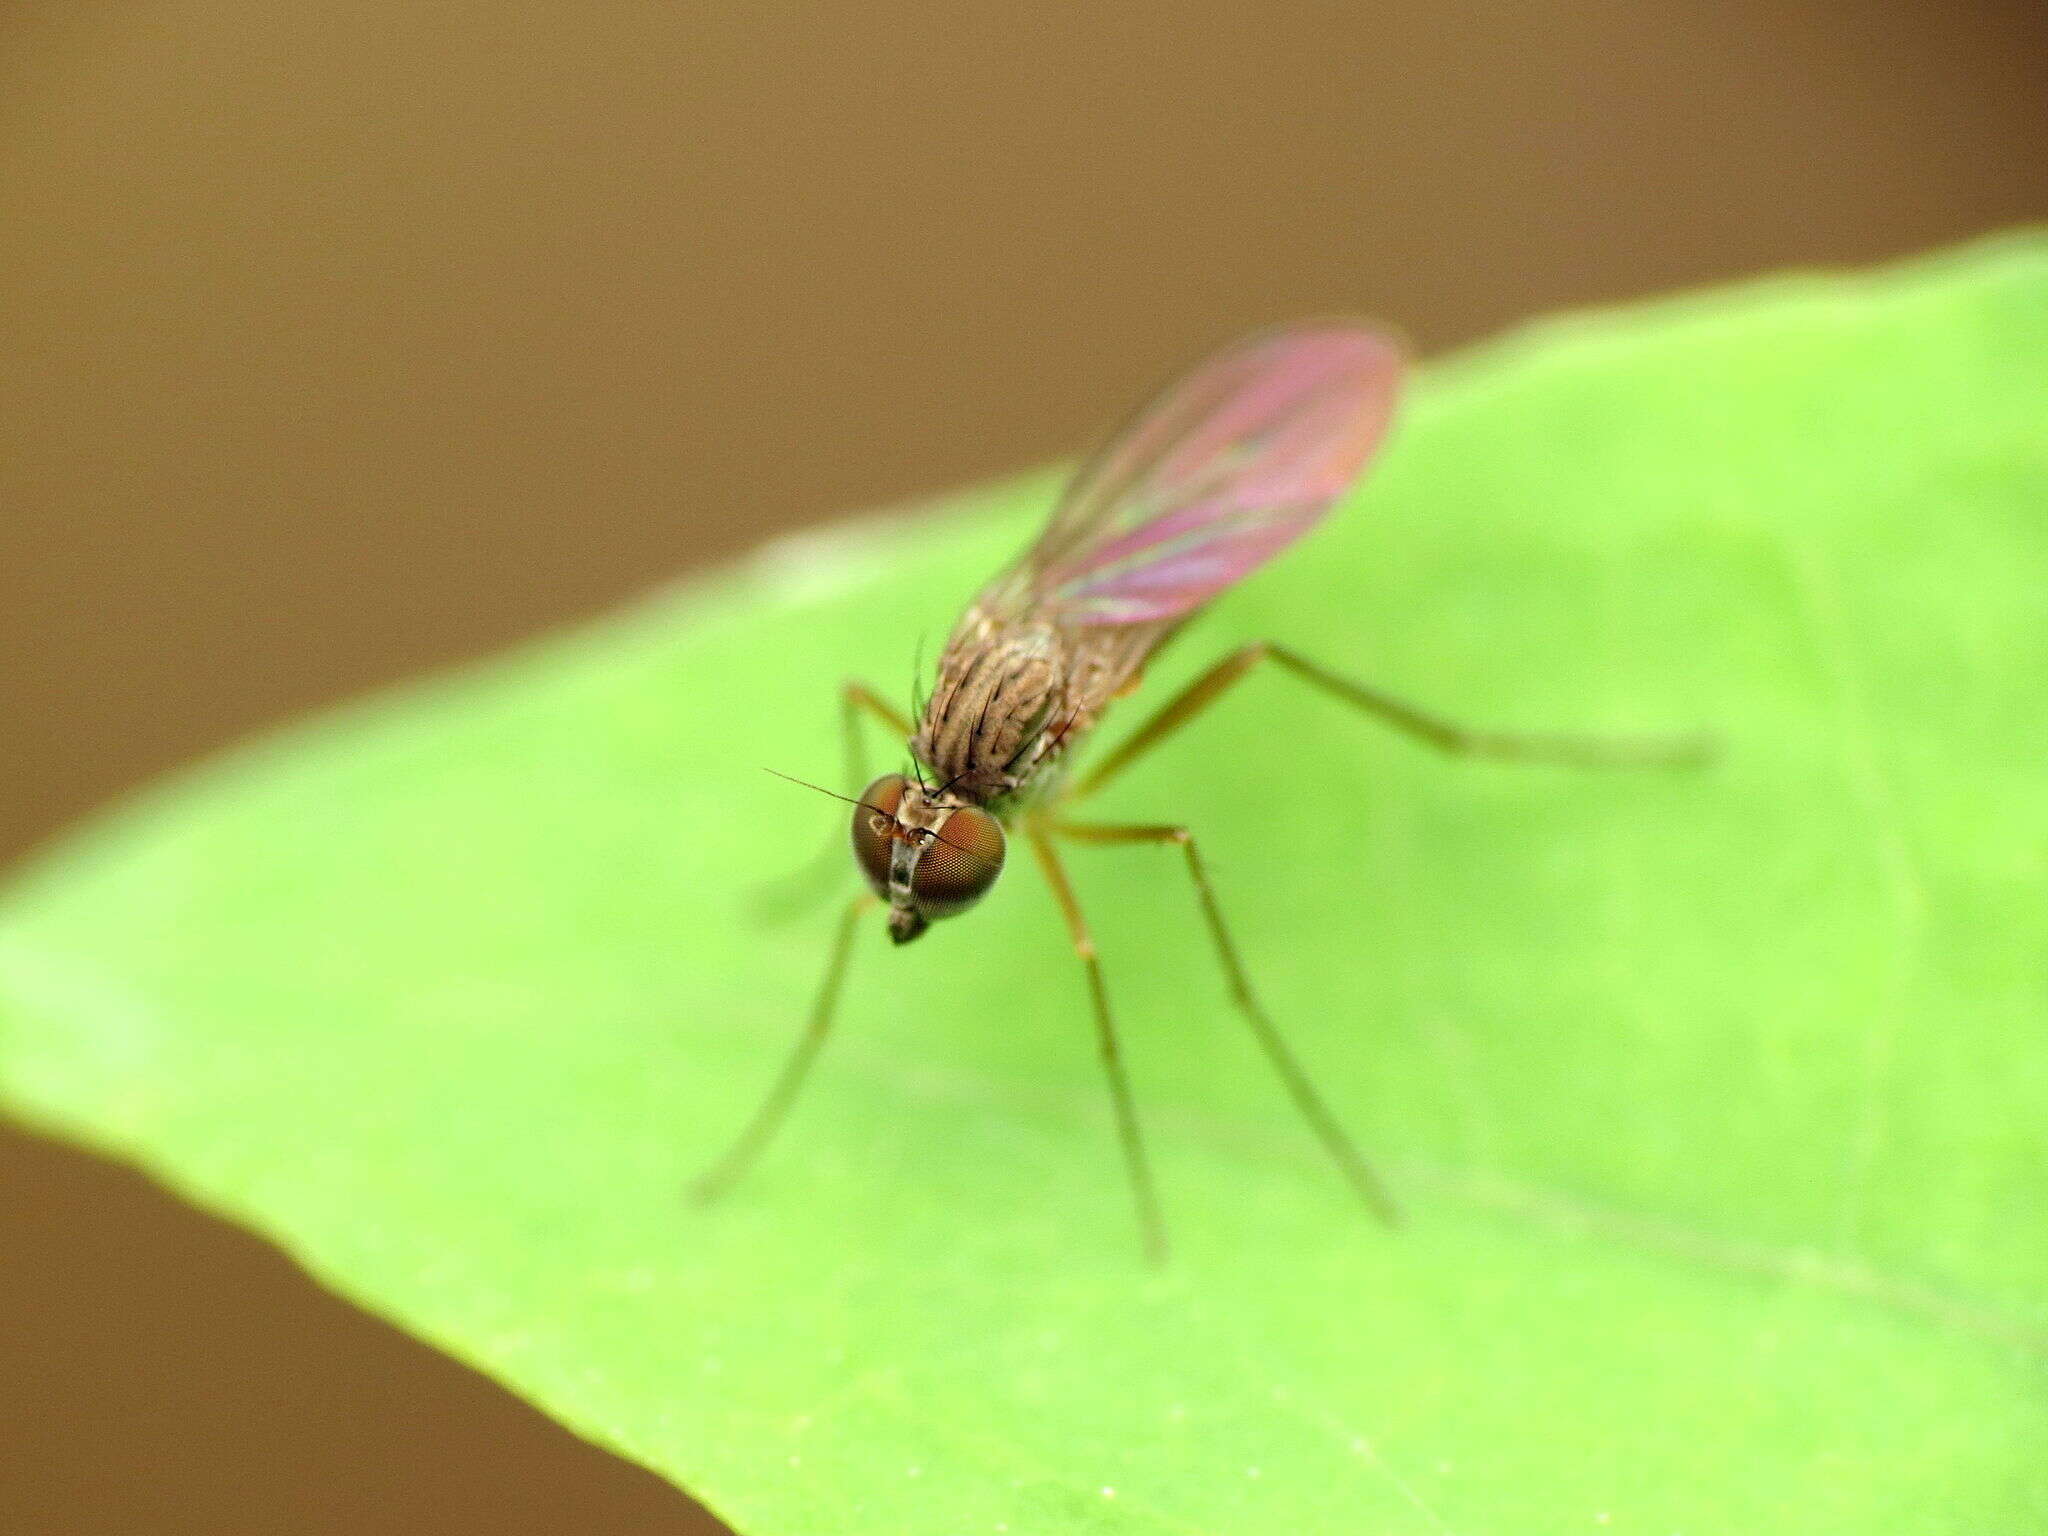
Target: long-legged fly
x,y
1222,471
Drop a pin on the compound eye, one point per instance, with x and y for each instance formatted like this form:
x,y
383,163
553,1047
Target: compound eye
x,y
955,868
874,820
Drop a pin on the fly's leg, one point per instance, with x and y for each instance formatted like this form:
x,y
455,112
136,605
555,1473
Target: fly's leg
x,y
1151,1225
853,698
1357,1172
721,1175
1444,735
786,898
789,896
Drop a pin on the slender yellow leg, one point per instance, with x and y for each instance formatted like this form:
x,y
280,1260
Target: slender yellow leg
x,y
767,1119
1444,735
1150,1223
853,698
783,897
1354,1167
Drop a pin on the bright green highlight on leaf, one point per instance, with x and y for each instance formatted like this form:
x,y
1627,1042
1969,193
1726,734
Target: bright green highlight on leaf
x,y
1718,1100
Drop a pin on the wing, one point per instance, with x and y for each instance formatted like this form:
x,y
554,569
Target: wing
x,y
1211,480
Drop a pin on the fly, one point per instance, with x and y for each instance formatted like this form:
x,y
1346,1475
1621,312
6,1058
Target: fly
x,y
1222,471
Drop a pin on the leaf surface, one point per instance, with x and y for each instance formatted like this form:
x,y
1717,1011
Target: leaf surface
x,y
1717,1100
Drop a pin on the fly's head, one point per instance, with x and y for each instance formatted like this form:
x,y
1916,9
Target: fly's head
x,y
928,853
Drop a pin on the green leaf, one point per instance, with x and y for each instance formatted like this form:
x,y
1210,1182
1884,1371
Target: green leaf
x,y
1716,1099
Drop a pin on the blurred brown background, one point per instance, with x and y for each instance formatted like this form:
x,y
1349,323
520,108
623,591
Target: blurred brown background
x,y
338,342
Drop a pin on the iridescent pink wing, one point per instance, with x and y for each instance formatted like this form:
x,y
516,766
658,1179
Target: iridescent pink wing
x,y
1216,476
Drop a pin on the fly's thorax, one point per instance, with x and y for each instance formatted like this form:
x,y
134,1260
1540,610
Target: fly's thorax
x,y
929,853
995,709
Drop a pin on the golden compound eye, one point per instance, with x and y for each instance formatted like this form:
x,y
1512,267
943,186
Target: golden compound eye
x,y
955,868
873,821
